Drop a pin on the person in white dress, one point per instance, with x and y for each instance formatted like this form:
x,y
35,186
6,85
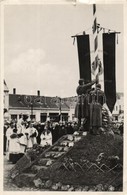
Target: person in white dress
x,y
23,137
46,137
31,136
9,132
19,123
14,147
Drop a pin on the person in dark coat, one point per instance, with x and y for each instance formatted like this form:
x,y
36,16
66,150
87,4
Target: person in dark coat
x,y
97,100
61,130
5,140
75,128
40,129
121,128
55,132
82,107
66,127
70,129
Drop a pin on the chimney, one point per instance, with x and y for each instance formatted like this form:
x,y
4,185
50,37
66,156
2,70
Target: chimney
x,y
14,91
38,93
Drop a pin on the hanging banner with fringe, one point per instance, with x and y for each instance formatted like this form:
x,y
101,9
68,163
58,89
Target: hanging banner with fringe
x,y
83,46
109,69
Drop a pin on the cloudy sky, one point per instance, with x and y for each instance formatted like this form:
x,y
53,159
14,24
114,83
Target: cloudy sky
x,y
38,49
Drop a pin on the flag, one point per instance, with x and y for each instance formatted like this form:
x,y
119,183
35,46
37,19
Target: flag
x,y
83,46
109,69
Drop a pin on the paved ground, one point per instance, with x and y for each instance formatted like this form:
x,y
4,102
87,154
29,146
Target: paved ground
x,y
8,183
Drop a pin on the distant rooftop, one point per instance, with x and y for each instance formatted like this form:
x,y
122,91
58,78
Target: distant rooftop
x,y
38,102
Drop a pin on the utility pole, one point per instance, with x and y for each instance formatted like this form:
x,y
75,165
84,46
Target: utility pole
x,y
60,114
31,106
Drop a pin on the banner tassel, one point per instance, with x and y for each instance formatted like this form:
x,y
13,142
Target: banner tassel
x,y
74,41
117,39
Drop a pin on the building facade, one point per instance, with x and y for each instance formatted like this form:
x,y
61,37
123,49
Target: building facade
x,y
38,108
42,108
118,112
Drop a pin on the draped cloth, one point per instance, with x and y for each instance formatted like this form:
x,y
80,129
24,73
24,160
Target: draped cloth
x,y
82,106
97,99
83,46
109,69
95,115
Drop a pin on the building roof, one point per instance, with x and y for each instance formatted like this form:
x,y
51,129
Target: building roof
x,y
71,101
37,102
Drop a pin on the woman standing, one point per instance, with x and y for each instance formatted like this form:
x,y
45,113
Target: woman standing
x,y
46,137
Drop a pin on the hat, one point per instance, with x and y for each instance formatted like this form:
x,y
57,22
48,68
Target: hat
x,y
98,86
81,81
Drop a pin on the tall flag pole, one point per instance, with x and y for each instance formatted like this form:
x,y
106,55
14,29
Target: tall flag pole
x,y
108,69
95,39
96,65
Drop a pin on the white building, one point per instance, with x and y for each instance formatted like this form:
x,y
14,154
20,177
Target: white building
x,y
119,107
37,107
41,107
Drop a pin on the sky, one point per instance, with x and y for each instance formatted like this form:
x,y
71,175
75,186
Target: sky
x,y
38,49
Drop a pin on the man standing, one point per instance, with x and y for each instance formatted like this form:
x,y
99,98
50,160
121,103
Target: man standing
x,y
31,136
97,99
82,107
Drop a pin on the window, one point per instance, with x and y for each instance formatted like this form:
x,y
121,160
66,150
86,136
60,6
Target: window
x,y
55,117
25,116
13,116
65,116
43,117
116,118
32,117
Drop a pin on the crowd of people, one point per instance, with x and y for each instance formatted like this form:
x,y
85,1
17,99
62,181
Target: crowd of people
x,y
21,136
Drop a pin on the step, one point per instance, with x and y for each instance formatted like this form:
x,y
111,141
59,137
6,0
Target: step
x,y
77,138
58,148
37,168
67,143
45,161
54,154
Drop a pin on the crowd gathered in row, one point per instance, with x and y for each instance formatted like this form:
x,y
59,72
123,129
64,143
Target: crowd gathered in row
x,y
23,135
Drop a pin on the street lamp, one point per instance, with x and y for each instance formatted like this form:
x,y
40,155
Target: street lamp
x,y
60,114
31,106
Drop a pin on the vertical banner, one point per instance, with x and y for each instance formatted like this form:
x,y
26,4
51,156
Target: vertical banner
x,y
109,69
83,45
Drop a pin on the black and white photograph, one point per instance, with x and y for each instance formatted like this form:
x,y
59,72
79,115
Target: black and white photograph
x,y
63,96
